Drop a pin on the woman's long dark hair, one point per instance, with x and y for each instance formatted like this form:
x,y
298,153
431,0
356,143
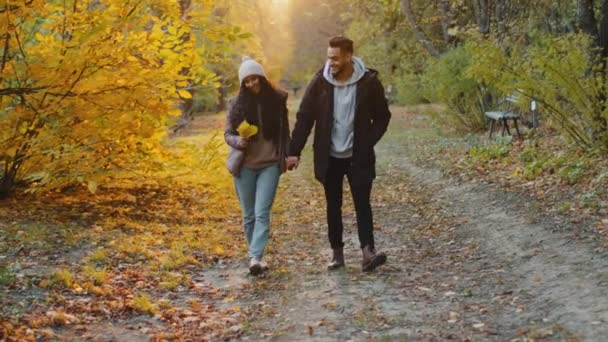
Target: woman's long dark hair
x,y
271,101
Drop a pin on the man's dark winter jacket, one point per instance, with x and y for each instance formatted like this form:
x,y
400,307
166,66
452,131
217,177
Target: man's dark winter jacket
x,y
371,120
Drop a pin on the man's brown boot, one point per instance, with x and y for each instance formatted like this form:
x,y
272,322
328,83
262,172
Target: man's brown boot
x,y
371,259
338,259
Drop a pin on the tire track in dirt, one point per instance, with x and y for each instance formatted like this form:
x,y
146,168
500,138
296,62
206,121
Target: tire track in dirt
x,y
466,262
566,277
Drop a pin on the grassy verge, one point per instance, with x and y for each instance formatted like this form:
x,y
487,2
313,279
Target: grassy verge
x,y
562,179
135,248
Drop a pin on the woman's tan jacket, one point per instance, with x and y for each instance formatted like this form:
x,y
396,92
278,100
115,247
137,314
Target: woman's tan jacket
x,y
236,155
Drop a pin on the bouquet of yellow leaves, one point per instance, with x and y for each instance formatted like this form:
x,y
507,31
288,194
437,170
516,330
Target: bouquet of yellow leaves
x,y
247,130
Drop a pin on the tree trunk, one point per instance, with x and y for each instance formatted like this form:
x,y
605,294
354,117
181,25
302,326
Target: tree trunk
x,y
407,9
587,23
502,14
603,31
603,46
586,18
7,182
185,105
6,187
482,15
222,97
446,19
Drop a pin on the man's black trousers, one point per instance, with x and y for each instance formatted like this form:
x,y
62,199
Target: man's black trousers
x,y
336,171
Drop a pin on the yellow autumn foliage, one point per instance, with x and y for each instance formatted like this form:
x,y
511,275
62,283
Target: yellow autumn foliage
x,y
247,130
88,89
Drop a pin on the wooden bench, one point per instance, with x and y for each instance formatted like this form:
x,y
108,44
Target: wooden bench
x,y
507,111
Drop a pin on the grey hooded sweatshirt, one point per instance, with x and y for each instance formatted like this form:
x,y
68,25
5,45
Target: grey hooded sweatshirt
x,y
345,98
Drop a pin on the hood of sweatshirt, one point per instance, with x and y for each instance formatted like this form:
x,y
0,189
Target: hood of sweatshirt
x,y
358,72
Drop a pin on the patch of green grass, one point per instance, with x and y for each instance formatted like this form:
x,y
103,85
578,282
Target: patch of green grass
x,y
70,236
530,153
370,317
564,207
134,249
484,154
171,280
246,328
99,257
572,173
164,304
41,237
97,275
589,199
31,234
6,276
534,169
568,166
175,258
62,277
143,303
388,338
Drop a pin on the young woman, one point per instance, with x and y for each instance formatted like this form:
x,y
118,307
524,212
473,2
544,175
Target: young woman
x,y
257,162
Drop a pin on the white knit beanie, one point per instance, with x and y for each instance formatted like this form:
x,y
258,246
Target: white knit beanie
x,y
249,67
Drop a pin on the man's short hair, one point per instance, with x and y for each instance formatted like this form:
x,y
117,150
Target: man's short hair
x,y
345,44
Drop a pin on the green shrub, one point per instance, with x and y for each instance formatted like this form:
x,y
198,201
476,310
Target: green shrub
x,y
407,90
205,99
529,154
567,166
557,71
445,81
572,173
534,168
497,151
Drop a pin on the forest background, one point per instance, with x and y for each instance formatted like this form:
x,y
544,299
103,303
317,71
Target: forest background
x,y
73,72
98,150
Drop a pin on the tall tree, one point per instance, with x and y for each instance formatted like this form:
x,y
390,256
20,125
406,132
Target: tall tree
x,y
89,89
597,28
482,15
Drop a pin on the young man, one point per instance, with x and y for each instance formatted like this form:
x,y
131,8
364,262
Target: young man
x,y
346,104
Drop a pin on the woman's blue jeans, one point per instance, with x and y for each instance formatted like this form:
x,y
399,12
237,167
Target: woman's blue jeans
x,y
256,190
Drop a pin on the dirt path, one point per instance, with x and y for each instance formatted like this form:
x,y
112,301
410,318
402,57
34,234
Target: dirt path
x,y
466,262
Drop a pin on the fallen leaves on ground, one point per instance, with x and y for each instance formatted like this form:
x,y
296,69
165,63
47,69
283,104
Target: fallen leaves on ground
x,y
132,249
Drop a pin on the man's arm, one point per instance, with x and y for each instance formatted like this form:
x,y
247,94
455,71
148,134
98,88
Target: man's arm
x,y
305,119
381,115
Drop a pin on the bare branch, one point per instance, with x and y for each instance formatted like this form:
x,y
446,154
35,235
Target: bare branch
x,y
9,8
407,8
20,91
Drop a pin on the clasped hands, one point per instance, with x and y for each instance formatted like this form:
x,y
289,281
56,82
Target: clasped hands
x,y
292,162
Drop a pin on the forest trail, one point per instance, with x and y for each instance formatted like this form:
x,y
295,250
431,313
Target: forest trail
x,y
466,261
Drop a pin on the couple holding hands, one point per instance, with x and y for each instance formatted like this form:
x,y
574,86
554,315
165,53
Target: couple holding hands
x,y
345,102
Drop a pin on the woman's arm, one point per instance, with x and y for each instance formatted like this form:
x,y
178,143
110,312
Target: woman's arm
x,y
231,136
